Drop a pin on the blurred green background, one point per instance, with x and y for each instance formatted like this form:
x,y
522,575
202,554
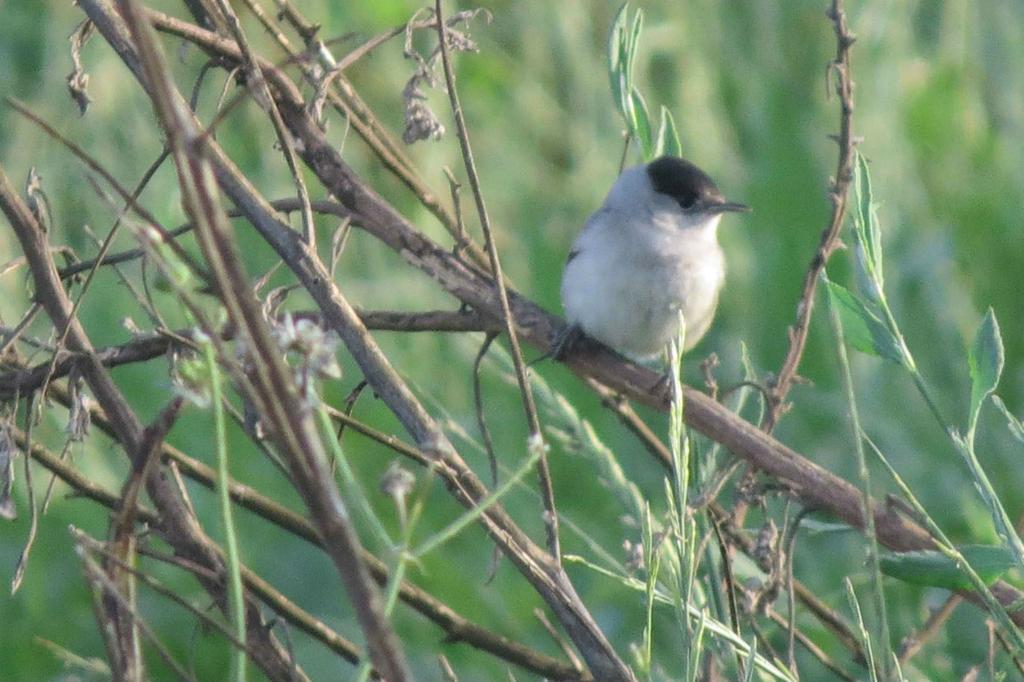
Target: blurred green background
x,y
940,107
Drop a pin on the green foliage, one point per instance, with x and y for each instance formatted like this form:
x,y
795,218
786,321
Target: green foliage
x,y
868,235
623,45
1015,425
986,361
864,330
936,569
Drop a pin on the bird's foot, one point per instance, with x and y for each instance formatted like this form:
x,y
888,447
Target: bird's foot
x,y
663,384
566,340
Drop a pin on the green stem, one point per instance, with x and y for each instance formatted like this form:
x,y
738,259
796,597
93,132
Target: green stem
x,y
1004,525
867,510
473,514
396,575
349,483
965,447
946,546
236,598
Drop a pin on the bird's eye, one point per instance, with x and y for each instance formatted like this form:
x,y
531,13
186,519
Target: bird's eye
x,y
688,200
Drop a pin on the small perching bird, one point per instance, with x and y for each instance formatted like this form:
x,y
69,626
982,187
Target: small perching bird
x,y
650,252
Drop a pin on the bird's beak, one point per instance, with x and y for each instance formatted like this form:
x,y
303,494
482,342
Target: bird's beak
x,y
728,207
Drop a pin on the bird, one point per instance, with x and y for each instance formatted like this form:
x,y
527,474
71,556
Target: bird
x,y
648,254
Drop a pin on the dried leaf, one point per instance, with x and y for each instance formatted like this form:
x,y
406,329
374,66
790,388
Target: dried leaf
x,y
36,199
8,451
78,79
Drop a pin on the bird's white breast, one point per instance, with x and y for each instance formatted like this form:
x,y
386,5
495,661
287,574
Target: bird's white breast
x,y
634,271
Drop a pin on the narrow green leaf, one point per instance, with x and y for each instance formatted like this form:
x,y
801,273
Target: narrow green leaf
x,y
642,130
866,215
868,235
861,327
865,636
985,360
668,136
751,659
618,77
821,527
490,499
634,43
934,569
1015,425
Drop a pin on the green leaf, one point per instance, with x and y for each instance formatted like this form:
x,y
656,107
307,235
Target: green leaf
x,y
861,327
634,42
642,130
1015,425
867,214
618,50
868,235
623,44
668,136
821,527
934,569
985,360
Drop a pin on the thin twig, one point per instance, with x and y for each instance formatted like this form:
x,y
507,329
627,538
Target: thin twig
x,y
811,647
841,69
536,440
26,379
457,628
99,579
275,393
915,641
109,178
347,102
285,205
1008,648
478,406
257,81
276,600
91,544
461,240
176,525
19,571
558,639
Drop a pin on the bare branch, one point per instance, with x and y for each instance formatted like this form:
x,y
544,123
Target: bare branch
x,y
838,194
275,393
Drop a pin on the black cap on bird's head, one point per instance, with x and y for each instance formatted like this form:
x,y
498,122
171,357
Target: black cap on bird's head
x,y
689,186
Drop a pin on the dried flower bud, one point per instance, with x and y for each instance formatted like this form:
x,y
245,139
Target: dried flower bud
x,y
397,481
767,539
420,121
634,555
311,343
79,417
